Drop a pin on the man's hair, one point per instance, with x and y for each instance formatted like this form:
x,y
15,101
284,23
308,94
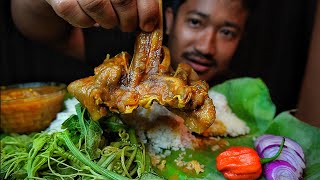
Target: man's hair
x,y
249,5
174,4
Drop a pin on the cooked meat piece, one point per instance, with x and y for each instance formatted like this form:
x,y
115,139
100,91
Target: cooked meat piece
x,y
121,88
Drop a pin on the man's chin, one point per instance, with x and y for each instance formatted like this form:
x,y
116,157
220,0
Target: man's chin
x,y
207,76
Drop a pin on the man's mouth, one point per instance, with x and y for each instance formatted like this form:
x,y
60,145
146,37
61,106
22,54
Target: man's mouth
x,y
200,64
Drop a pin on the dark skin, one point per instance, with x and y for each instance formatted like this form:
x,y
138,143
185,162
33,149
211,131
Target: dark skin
x,y
309,101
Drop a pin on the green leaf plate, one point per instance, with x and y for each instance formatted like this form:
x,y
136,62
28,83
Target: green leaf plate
x,y
249,98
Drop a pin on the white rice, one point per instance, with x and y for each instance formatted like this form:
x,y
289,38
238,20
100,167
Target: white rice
x,y
161,130
233,124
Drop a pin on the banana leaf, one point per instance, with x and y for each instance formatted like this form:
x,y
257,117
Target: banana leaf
x,y
249,98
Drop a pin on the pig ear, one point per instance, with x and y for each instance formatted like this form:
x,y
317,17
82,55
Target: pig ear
x,y
169,20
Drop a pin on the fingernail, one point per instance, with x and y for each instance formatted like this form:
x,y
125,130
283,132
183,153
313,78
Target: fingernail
x,y
149,26
96,25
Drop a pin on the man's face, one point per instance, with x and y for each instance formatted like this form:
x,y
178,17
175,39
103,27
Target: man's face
x,y
205,34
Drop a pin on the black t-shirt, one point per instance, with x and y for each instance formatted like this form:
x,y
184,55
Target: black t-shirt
x,y
99,42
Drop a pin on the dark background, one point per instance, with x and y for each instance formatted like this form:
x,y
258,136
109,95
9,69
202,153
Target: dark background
x,y
23,60
275,49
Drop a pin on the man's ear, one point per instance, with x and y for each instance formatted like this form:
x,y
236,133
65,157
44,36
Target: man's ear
x,y
169,20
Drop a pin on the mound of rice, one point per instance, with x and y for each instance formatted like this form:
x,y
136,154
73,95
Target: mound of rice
x,y
160,129
227,123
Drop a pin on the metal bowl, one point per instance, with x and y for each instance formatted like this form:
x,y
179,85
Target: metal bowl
x,y
30,107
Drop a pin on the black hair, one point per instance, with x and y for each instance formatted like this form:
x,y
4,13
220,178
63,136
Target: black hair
x,y
249,5
174,4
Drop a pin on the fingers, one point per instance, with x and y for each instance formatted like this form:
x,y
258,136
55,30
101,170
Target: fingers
x,y
101,11
127,14
70,11
148,11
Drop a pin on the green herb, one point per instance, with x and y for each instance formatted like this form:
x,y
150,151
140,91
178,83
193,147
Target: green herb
x,y
82,151
88,162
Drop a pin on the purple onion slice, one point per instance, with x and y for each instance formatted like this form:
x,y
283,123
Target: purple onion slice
x,y
287,154
280,170
266,140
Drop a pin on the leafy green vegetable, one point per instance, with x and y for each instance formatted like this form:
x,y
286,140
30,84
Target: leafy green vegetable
x,y
89,130
82,158
150,176
113,123
81,151
14,151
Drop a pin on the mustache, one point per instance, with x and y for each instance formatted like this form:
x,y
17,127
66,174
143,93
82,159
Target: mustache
x,y
197,54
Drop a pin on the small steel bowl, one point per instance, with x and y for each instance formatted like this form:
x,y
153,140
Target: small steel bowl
x,y
30,107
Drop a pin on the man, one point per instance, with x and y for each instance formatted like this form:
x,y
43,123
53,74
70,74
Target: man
x,y
202,33
205,34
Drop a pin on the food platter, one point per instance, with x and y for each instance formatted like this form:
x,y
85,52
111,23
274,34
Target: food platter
x,y
249,99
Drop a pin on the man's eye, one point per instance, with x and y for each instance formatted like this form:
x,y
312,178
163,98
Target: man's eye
x,y
194,22
228,33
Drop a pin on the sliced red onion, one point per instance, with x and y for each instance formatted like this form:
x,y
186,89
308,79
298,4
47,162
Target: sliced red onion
x,y
287,154
280,170
266,140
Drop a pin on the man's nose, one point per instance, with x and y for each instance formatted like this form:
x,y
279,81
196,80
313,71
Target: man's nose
x,y
206,43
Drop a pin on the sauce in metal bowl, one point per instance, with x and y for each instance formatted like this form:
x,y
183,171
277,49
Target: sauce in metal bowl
x,y
30,107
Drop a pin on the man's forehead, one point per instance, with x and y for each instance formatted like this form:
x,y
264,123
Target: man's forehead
x,y
225,12
212,7
208,5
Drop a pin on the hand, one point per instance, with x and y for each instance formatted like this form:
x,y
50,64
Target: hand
x,y
127,14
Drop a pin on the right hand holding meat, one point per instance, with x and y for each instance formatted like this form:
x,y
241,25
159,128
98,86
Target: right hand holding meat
x,y
126,14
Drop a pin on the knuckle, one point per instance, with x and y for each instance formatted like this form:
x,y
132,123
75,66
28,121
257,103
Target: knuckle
x,y
150,18
69,11
121,3
95,5
64,8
